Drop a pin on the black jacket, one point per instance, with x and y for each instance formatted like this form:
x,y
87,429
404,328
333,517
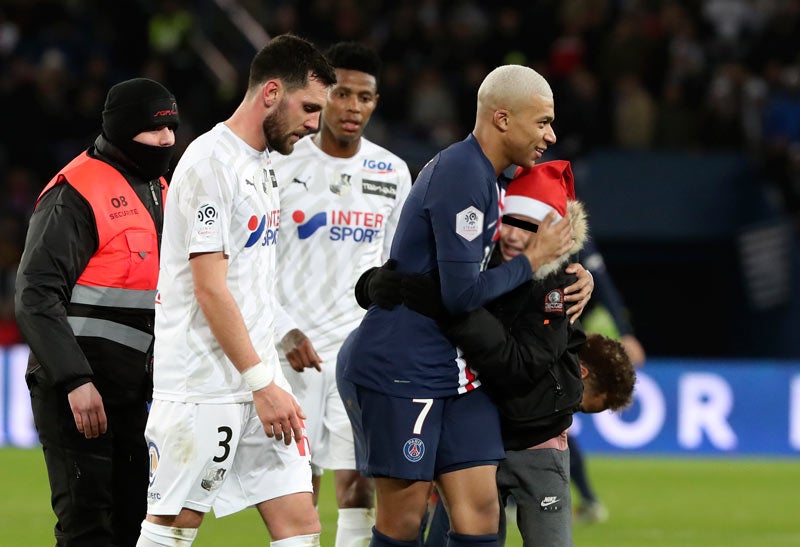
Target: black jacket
x,y
526,356
62,237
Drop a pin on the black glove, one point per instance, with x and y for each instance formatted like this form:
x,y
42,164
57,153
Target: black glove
x,y
380,286
422,294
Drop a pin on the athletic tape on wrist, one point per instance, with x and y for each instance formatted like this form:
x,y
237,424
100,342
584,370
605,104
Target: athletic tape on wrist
x,y
258,376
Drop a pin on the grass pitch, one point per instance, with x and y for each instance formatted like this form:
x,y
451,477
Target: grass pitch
x,y
652,502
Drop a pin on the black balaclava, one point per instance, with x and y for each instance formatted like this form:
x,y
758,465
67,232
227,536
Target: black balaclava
x,y
140,105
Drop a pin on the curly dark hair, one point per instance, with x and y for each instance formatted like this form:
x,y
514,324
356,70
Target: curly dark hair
x,y
354,56
610,370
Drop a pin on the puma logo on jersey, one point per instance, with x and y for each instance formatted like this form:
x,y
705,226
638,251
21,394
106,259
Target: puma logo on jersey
x,y
296,180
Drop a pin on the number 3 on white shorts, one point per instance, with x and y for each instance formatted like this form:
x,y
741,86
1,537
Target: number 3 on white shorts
x,y
428,403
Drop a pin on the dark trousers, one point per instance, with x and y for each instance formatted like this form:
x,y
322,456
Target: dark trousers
x,y
98,486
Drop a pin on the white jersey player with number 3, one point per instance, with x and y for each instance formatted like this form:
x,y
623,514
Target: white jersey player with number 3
x,y
224,431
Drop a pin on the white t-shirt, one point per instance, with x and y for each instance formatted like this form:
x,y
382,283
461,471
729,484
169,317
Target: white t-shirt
x,y
338,217
223,197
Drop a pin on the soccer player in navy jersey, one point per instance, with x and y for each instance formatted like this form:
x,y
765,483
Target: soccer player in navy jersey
x,y
423,416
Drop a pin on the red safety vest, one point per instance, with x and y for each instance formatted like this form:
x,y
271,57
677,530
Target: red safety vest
x,y
127,254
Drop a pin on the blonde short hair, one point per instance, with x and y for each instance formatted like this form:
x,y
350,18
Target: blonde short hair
x,y
507,85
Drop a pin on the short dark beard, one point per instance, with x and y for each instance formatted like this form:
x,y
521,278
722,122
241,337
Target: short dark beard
x,y
274,126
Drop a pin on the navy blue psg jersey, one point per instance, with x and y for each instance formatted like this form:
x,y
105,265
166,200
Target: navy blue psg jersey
x,y
448,226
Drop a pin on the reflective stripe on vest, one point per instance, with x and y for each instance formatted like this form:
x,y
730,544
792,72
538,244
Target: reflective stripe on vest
x,y
116,332
123,272
113,298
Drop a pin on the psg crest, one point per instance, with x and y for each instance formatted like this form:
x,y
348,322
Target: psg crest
x,y
414,449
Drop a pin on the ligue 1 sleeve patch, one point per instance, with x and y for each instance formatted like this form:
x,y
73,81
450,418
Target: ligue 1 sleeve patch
x,y
469,223
206,222
554,301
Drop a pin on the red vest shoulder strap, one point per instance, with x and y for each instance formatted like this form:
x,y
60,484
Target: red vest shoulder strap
x,y
59,178
115,204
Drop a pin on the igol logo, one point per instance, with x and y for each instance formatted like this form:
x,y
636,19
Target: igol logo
x,y
373,166
266,226
305,231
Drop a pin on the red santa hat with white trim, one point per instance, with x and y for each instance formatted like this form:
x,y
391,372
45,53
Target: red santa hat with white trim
x,y
535,191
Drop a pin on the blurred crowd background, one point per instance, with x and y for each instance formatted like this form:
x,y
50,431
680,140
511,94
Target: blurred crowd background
x,y
682,118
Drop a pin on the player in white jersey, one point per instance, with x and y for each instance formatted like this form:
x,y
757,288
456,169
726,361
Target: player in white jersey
x,y
341,197
221,403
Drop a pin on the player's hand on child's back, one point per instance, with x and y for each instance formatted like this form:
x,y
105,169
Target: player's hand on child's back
x,y
279,412
552,240
579,293
422,294
379,286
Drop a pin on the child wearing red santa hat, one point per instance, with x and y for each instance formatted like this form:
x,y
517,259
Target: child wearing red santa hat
x,y
538,368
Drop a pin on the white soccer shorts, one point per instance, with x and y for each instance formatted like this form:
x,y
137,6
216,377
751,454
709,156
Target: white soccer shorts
x,y
329,430
205,456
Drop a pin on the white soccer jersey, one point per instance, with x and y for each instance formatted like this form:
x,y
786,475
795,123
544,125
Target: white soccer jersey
x,y
223,197
338,217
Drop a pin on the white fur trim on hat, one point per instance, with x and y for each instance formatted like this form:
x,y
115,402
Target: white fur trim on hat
x,y
529,207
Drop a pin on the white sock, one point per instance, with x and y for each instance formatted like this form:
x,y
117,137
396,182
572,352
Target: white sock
x,y
354,527
155,535
308,540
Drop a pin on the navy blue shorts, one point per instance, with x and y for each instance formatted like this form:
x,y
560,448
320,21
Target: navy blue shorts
x,y
420,439
349,395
